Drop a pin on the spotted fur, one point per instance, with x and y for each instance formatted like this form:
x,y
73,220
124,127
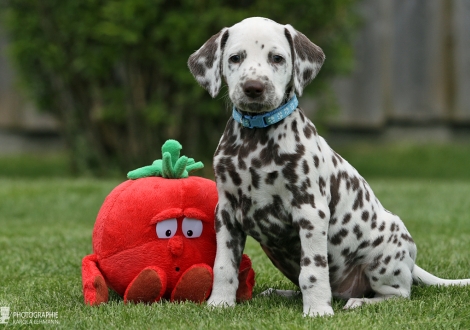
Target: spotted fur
x,y
316,218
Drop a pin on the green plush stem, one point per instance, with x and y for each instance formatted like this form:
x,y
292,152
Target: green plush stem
x,y
195,166
173,147
171,166
144,172
167,166
180,167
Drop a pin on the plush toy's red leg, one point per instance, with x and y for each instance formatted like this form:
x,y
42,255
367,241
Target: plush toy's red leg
x,y
195,284
148,286
94,286
246,279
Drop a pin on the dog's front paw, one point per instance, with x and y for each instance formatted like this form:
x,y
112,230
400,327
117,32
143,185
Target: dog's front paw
x,y
220,301
321,311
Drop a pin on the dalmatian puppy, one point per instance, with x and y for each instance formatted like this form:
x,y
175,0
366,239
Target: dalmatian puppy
x,y
278,181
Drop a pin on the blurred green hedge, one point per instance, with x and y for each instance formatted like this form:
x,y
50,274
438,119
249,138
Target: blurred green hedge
x,y
114,72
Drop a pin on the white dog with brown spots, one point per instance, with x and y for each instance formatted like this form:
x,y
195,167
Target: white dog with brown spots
x,y
315,217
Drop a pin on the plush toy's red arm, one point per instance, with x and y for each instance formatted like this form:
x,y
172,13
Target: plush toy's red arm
x,y
94,286
246,279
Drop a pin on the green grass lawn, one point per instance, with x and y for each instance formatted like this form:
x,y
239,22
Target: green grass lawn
x,y
45,230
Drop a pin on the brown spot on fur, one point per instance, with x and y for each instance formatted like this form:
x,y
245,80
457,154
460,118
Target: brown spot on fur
x,y
338,237
365,216
316,161
320,261
387,260
358,203
271,177
357,231
305,224
305,261
378,241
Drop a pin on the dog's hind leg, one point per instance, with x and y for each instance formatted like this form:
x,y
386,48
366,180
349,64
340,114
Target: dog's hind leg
x,y
282,293
395,283
358,302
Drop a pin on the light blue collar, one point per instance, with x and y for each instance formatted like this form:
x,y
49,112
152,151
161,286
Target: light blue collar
x,y
268,118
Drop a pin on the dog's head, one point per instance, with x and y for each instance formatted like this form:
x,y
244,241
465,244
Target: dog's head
x,y
262,62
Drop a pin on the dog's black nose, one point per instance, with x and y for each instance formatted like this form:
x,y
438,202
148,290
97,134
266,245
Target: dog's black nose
x,y
253,88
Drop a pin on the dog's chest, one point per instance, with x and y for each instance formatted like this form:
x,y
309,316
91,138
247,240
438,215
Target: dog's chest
x,y
262,175
252,171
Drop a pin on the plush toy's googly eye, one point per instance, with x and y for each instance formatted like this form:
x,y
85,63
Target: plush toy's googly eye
x,y
167,228
192,228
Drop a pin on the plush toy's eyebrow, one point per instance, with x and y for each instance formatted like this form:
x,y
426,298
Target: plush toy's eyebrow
x,y
167,214
177,213
198,214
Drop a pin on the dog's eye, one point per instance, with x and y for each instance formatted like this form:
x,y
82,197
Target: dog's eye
x,y
277,59
234,59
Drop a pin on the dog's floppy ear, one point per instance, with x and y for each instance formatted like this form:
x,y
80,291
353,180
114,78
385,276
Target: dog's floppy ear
x,y
205,63
307,58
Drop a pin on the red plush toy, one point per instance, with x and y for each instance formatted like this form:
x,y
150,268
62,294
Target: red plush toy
x,y
154,237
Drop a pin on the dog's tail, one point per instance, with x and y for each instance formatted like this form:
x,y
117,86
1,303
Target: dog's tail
x,y
420,276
